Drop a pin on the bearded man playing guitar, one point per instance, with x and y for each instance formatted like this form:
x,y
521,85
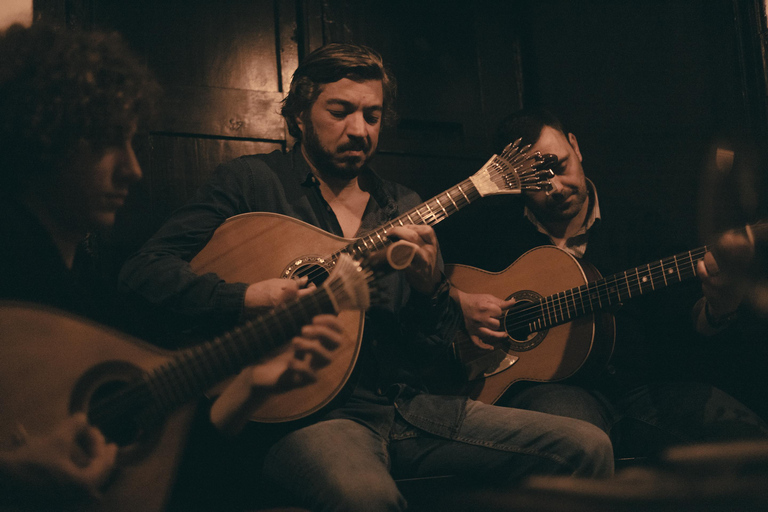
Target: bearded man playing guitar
x,y
638,398
388,426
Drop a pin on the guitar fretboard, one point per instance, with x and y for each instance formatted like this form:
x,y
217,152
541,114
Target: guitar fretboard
x,y
428,213
195,370
603,293
514,171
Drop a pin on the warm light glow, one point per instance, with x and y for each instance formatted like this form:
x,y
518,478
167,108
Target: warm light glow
x,y
15,11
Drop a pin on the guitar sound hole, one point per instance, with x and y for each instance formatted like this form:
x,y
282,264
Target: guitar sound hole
x,y
517,322
113,401
117,428
316,273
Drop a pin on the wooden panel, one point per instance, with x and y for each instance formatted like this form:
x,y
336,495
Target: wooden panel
x,y
174,168
457,65
225,112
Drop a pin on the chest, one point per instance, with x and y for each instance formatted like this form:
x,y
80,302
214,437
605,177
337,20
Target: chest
x,y
349,210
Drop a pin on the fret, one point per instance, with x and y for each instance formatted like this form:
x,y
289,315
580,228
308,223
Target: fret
x,y
677,270
629,288
437,200
573,300
663,272
592,297
693,263
448,193
563,303
557,307
431,213
581,301
613,292
549,311
206,363
462,193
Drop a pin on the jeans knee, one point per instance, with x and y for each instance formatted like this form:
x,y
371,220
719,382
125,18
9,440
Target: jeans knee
x,y
596,454
366,496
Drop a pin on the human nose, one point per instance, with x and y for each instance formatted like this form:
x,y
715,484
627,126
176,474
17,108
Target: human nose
x,y
130,170
356,125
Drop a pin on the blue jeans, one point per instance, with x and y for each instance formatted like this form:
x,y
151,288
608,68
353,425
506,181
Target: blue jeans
x,y
648,418
342,465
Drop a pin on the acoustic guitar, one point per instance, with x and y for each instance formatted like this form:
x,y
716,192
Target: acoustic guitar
x,y
141,397
558,325
252,247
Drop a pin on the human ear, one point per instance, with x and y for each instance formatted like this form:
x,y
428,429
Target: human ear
x,y
575,145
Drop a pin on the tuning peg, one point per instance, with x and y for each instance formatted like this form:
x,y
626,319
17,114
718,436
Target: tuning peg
x,y
547,160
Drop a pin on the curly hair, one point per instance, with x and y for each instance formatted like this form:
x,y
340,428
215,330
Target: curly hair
x,y
59,88
331,63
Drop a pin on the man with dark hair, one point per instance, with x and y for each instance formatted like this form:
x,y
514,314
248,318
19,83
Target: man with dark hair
x,y
641,399
389,426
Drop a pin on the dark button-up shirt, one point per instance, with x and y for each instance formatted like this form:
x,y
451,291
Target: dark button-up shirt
x,y
403,332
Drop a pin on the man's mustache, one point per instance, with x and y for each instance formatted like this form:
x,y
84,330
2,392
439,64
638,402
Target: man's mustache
x,y
355,145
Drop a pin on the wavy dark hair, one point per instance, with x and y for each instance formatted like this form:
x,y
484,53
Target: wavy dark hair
x,y
331,63
527,124
60,88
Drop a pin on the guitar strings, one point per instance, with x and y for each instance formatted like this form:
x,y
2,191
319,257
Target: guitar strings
x,y
563,306
522,164
197,368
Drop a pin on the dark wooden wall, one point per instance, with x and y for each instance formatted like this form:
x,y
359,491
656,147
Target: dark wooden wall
x,y
648,88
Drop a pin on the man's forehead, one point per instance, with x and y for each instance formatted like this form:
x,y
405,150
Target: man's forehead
x,y
552,140
368,92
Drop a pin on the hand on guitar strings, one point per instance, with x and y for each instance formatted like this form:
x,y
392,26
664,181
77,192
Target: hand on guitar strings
x,y
69,464
482,314
309,352
724,274
262,296
423,273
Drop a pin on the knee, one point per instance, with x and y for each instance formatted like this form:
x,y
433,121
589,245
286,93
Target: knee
x,y
364,495
594,456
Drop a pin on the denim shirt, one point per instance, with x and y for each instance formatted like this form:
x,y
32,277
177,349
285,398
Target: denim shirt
x,y
403,333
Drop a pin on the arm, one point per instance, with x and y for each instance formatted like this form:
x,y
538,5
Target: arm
x,y
724,281
430,313
309,352
160,273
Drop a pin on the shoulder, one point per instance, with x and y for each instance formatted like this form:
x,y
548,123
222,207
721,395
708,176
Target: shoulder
x,y
261,166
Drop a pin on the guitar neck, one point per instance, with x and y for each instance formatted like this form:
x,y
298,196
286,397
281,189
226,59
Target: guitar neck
x,y
603,293
195,370
512,172
427,213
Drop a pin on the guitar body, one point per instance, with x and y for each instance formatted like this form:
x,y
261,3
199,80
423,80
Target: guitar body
x,y
51,365
256,246
552,354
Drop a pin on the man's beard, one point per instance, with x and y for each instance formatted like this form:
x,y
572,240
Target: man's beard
x,y
345,168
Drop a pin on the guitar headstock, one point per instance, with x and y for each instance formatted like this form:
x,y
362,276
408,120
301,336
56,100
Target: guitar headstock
x,y
517,169
348,286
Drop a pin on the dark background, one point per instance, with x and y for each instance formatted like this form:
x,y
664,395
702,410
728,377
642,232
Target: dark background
x,y
650,89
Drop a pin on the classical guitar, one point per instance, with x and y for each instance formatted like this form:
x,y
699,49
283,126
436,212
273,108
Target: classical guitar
x,y
256,246
55,364
559,325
